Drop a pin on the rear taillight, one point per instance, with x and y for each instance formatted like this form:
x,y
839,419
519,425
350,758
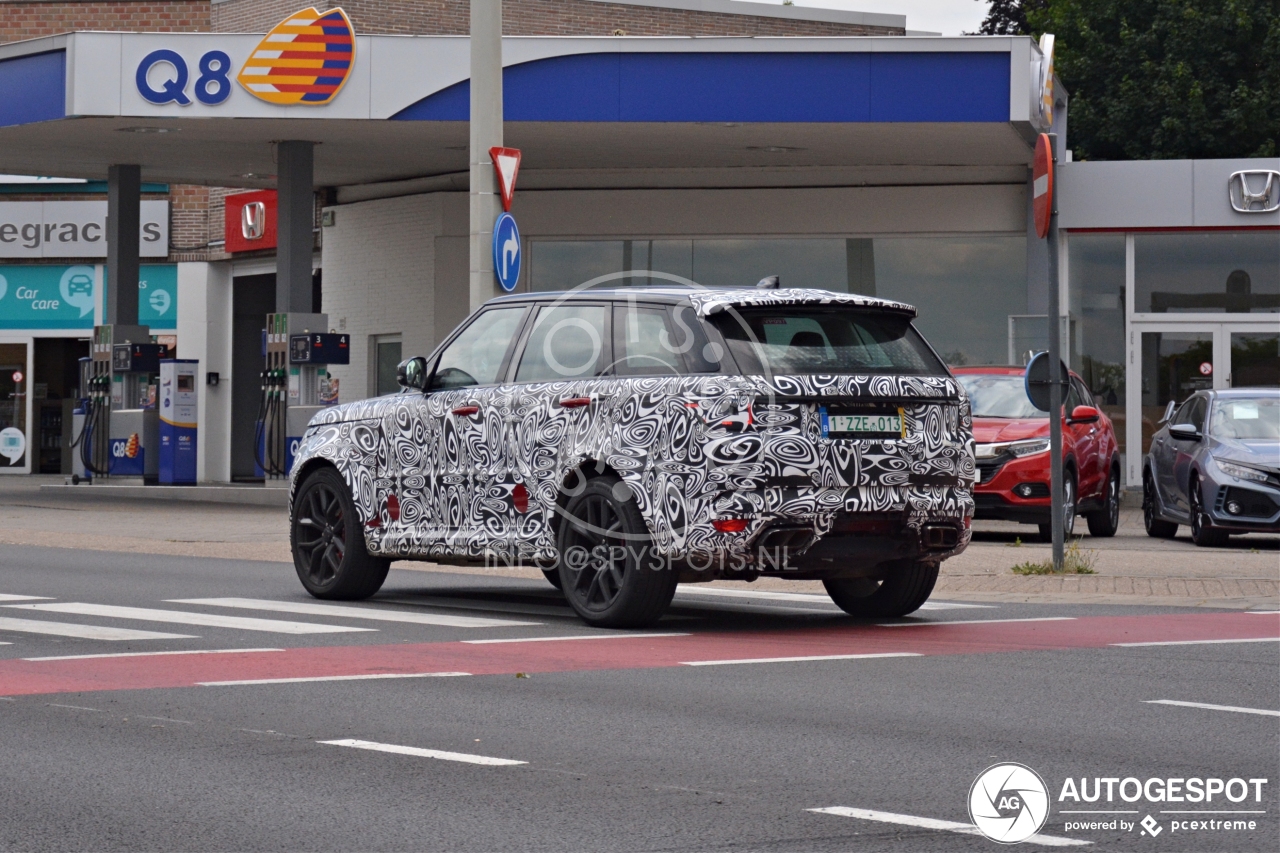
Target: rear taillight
x,y
730,525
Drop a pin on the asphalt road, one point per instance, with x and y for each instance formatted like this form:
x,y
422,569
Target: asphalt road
x,y
624,741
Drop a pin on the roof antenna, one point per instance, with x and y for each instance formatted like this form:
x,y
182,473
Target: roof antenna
x,y
771,282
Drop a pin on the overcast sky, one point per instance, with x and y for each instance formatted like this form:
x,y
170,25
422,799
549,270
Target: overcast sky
x,y
949,17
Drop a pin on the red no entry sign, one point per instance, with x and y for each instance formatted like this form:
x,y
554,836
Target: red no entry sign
x,y
1042,185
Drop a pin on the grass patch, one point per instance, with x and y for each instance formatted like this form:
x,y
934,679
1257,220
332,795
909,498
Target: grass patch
x,y
1075,561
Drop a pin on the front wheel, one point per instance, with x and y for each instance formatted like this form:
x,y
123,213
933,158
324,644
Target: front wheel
x,y
908,586
608,569
1106,521
1202,529
1157,527
329,552
1068,510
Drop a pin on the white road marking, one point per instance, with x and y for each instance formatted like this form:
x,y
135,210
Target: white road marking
x,y
340,611
6,644
329,678
83,632
1263,711
1264,612
811,598
977,622
182,617
4,597
575,637
1200,642
424,753
156,654
798,659
945,825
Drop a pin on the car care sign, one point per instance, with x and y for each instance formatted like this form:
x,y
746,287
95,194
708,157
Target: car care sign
x,y
1042,185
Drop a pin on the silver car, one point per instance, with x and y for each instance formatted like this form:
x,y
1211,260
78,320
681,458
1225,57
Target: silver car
x,y
1215,465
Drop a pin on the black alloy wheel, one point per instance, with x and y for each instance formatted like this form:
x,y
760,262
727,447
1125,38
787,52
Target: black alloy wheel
x,y
1202,530
1106,521
1157,527
607,566
329,550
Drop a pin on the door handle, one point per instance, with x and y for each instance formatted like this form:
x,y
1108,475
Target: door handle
x,y
575,402
466,411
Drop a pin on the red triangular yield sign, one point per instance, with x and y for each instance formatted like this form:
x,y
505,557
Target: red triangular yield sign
x,y
506,162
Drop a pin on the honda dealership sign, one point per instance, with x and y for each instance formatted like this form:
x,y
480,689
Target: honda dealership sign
x,y
74,229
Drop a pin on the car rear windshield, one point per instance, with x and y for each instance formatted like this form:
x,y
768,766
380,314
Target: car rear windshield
x,y
1246,418
804,339
999,395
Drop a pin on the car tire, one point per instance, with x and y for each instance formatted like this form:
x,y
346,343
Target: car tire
x,y
327,541
553,578
1203,533
1068,509
1157,527
607,566
1106,521
908,585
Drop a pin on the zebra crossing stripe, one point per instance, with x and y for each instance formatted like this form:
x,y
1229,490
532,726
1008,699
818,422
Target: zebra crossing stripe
x,y
179,617
83,632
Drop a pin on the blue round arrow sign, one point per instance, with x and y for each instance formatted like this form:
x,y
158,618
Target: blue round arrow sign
x,y
506,252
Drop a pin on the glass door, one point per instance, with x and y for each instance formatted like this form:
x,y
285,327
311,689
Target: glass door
x,y
1168,362
14,409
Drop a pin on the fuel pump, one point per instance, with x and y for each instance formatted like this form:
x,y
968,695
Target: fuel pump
x,y
135,424
295,385
104,388
81,431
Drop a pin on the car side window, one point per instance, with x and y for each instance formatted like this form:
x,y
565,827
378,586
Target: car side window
x,y
702,354
566,342
1073,398
1183,415
475,356
1197,413
643,344
1082,391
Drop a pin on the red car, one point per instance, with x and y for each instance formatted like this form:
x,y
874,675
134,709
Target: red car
x,y
1011,438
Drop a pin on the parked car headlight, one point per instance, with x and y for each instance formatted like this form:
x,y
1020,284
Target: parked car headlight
x,y
1242,472
1027,447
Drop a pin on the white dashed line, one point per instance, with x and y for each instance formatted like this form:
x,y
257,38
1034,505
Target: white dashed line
x,y
339,611
1200,642
180,617
944,825
798,659
156,654
1262,711
329,678
83,632
4,597
575,637
463,757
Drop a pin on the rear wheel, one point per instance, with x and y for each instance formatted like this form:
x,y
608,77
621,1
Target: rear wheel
x,y
607,569
907,586
1202,530
553,577
1156,526
328,543
1068,509
1106,521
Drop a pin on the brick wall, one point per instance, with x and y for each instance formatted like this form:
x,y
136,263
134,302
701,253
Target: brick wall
x,y
532,18
33,20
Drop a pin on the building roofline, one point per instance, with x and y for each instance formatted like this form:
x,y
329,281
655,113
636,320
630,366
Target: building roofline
x,y
766,10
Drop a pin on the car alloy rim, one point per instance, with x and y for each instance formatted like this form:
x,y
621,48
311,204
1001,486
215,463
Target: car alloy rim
x,y
1197,524
596,556
1148,504
1068,507
323,522
1113,497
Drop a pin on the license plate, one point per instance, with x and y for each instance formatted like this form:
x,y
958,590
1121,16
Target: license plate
x,y
869,425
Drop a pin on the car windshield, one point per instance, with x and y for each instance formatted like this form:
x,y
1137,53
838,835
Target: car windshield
x,y
1246,417
999,395
801,339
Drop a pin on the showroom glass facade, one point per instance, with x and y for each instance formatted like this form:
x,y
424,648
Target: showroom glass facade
x,y
965,288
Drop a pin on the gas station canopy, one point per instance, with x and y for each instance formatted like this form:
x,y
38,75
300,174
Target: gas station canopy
x,y
588,112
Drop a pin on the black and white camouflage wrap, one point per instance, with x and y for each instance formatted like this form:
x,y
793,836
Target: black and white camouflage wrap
x,y
666,438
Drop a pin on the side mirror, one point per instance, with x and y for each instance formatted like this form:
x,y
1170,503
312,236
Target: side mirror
x,y
1083,415
1184,432
412,373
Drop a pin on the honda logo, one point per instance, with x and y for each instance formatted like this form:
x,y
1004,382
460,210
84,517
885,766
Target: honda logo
x,y
1254,191
253,220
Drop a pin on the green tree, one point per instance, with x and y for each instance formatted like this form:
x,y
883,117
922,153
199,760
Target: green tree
x,y
1155,79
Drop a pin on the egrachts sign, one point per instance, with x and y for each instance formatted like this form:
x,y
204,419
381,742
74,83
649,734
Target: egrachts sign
x,y
74,229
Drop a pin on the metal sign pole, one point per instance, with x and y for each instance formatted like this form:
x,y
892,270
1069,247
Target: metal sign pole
x,y
1055,358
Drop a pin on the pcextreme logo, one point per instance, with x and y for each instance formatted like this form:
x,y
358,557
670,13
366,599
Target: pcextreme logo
x,y
305,60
